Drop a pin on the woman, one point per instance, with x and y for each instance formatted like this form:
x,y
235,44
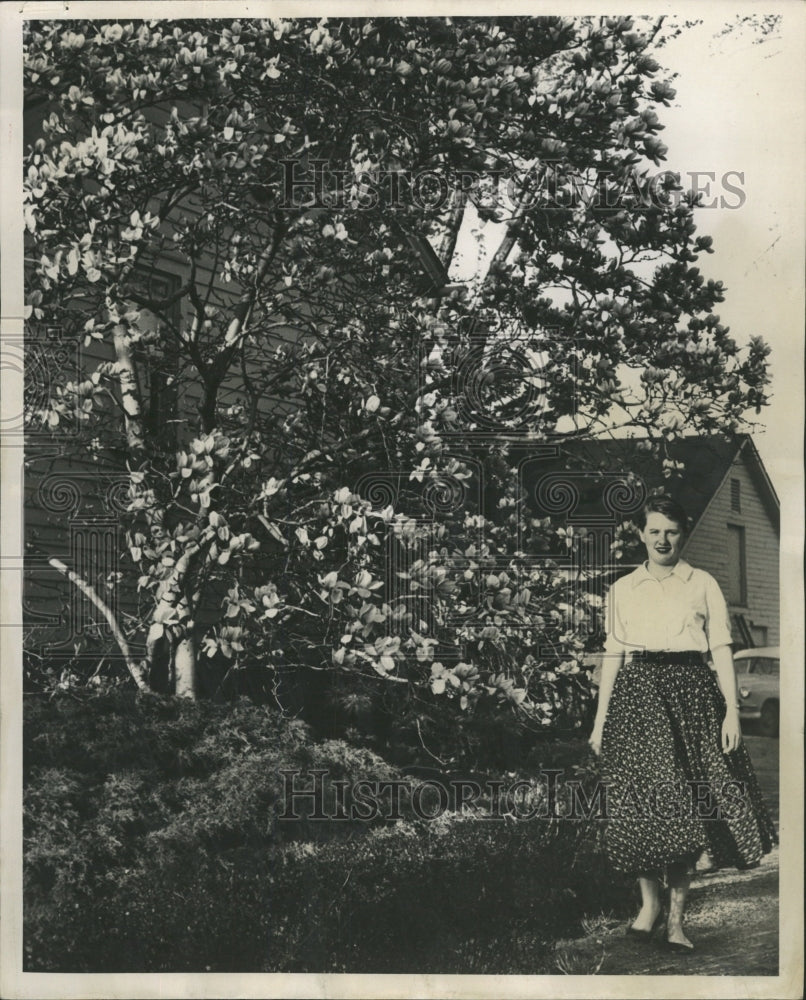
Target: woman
x,y
680,780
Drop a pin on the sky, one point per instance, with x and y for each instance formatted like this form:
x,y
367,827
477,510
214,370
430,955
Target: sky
x,y
739,107
738,115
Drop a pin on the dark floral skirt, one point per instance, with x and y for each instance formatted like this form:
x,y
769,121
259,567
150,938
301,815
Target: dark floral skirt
x,y
672,791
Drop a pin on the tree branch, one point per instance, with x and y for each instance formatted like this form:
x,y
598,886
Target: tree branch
x,y
447,246
510,238
232,337
132,408
135,669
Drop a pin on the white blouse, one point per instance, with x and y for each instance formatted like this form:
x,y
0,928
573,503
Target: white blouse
x,y
684,610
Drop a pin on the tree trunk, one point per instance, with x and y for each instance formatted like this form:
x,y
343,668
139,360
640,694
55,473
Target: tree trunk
x,y
132,407
185,655
173,613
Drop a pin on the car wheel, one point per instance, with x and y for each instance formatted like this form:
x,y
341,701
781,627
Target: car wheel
x,y
768,724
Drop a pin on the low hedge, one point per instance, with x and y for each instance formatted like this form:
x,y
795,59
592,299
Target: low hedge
x,y
153,844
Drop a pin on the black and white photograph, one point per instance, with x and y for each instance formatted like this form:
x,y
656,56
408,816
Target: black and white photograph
x,y
402,500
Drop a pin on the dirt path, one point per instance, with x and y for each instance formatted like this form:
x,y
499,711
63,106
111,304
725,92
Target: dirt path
x,y
732,916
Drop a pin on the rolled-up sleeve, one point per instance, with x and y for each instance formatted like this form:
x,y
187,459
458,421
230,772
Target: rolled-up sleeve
x,y
614,627
717,623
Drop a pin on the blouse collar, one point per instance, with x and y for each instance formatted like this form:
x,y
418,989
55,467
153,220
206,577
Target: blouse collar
x,y
681,569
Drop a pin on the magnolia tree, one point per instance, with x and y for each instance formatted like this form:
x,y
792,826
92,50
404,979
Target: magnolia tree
x,y
340,496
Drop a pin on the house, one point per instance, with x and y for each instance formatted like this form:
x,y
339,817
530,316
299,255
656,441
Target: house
x,y
736,535
75,498
722,484
74,501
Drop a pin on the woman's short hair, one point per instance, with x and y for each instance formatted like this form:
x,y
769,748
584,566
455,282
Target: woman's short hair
x,y
666,505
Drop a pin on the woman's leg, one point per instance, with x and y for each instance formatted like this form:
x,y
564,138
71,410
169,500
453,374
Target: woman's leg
x,y
679,875
650,901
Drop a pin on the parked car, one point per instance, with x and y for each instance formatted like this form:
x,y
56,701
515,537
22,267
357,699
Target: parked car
x,y
758,680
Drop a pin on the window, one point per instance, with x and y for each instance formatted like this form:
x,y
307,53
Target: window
x,y
766,667
737,566
158,361
736,495
760,634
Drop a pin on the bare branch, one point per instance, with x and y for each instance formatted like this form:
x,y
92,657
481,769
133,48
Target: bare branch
x,y
135,669
447,246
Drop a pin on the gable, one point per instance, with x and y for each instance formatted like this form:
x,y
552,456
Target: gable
x,y
704,463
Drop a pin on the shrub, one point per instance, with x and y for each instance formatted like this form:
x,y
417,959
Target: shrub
x,y
153,843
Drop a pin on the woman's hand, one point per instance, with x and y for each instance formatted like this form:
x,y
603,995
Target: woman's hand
x,y
595,738
726,679
731,731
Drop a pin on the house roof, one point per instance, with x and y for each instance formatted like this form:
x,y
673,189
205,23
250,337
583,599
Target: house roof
x,y
706,462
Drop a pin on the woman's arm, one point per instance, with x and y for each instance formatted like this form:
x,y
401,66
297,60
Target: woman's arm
x,y
611,665
718,632
726,678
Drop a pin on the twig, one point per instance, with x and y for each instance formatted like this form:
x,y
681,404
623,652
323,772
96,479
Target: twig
x,y
422,744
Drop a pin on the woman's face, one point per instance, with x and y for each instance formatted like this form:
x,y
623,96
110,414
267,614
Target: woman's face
x,y
663,539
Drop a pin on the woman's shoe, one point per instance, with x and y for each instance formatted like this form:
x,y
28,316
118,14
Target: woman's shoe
x,y
678,946
640,935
